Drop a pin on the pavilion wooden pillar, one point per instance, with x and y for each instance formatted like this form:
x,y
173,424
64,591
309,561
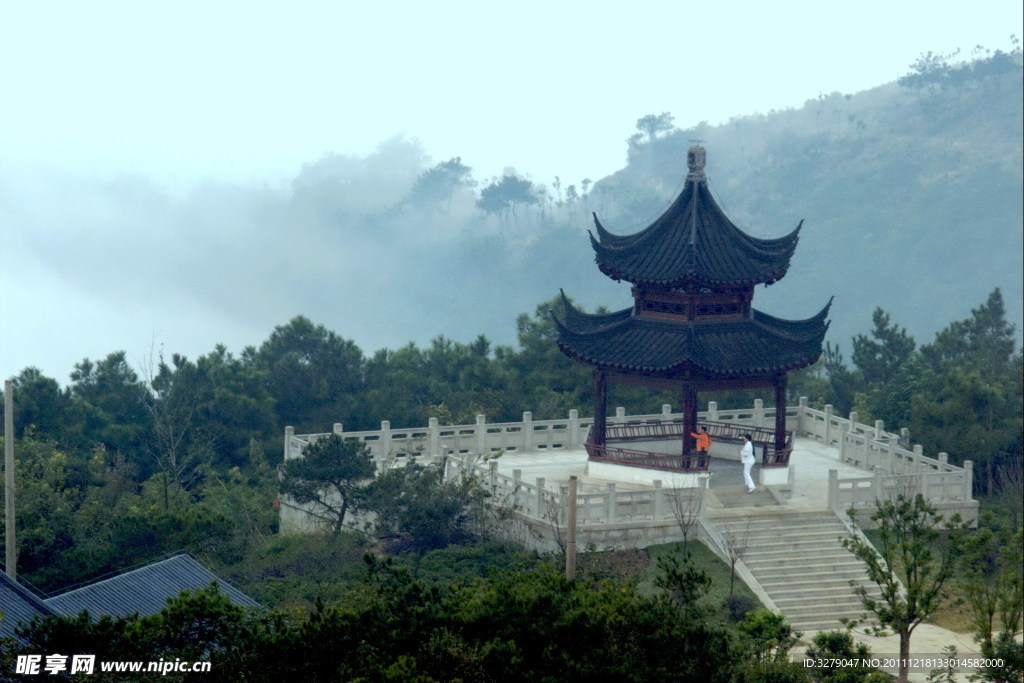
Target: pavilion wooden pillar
x,y
689,417
780,412
600,407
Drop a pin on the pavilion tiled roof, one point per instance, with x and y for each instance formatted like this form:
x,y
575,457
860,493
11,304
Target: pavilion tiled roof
x,y
761,344
693,242
19,606
144,590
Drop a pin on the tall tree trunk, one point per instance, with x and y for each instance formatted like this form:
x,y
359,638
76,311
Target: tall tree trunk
x,y
904,656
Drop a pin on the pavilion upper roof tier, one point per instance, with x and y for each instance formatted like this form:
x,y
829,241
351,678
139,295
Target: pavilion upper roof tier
x,y
693,243
759,345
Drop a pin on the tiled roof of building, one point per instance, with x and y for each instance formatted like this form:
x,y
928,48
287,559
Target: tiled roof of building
x,y
757,345
19,605
144,590
693,242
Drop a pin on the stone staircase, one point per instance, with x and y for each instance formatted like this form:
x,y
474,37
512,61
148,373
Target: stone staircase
x,y
798,561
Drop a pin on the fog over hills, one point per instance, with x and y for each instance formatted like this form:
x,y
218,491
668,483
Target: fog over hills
x,y
911,198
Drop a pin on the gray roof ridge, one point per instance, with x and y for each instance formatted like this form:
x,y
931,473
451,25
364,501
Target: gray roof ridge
x,y
115,573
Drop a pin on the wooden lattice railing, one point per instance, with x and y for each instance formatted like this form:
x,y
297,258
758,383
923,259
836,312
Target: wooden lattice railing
x,y
660,461
676,429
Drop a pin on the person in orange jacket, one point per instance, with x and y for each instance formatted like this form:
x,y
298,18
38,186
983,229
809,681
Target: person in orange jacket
x,y
703,441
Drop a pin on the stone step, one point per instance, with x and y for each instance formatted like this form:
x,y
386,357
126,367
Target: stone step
x,y
818,531
777,525
784,516
820,561
800,563
819,625
770,581
817,611
805,532
816,601
774,585
806,554
825,593
793,544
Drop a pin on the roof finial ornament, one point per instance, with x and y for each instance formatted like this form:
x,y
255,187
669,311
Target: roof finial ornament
x,y
695,159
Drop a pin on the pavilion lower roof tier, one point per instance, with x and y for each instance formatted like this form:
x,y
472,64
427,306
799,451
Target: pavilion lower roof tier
x,y
693,243
754,346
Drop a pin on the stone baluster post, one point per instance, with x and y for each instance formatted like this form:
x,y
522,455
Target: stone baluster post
x,y
924,476
968,491
758,412
434,436
541,512
854,429
609,501
844,428
289,432
878,483
570,530
338,429
713,411
879,430
385,440
481,435
492,475
620,414
658,502
827,436
517,488
801,416
666,410
575,438
943,462
527,432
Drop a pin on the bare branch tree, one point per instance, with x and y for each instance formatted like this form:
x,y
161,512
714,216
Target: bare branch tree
x,y
686,505
1009,484
737,540
555,508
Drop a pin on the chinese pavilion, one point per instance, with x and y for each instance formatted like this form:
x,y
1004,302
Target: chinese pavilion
x,y
691,327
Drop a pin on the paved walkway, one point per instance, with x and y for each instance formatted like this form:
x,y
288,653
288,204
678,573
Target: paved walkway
x,y
927,641
811,461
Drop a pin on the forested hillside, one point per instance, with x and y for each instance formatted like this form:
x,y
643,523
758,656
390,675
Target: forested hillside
x,y
911,194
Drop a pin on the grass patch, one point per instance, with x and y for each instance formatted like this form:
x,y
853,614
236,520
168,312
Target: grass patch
x,y
707,561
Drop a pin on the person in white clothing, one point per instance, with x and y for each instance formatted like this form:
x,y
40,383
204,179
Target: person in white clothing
x,y
747,458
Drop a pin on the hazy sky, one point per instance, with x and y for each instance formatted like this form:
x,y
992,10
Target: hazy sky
x,y
247,92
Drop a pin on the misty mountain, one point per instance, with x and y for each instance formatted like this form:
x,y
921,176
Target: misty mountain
x,y
911,197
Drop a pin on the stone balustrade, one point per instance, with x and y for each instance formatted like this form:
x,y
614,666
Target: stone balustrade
x,y
529,435
894,468
890,466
